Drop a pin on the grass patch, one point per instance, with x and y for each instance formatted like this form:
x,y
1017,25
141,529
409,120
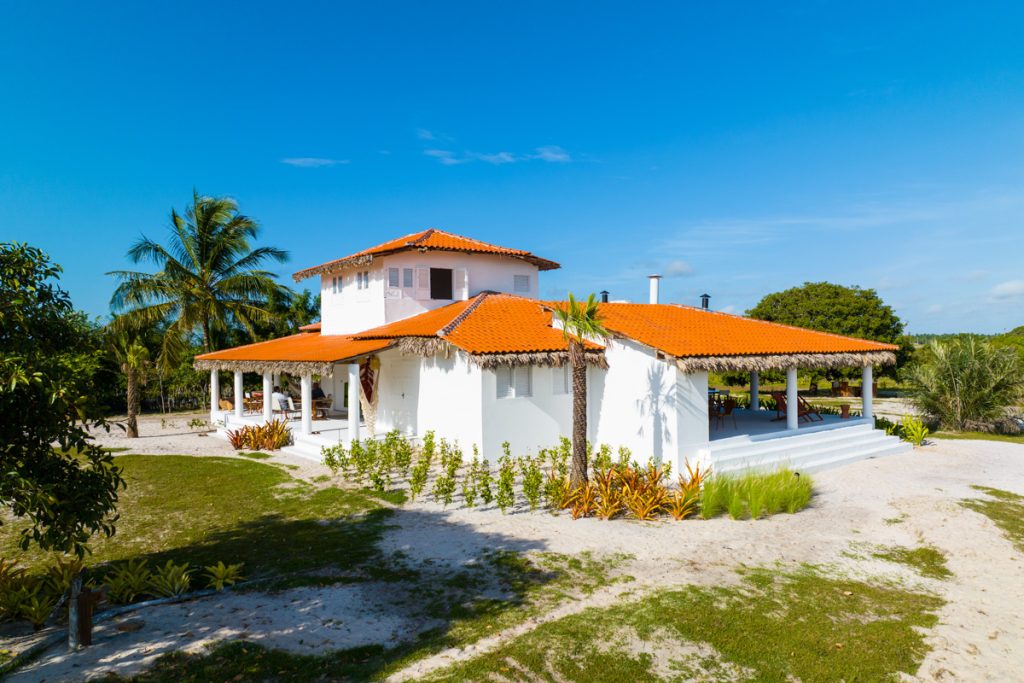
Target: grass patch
x,y
980,436
755,494
929,561
500,590
772,627
395,496
255,455
1004,508
201,510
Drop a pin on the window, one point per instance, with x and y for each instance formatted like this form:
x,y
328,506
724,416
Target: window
x,y
441,283
562,378
514,382
520,283
363,279
407,277
334,285
393,275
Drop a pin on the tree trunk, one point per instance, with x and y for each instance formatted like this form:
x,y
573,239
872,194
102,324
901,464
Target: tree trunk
x,y
133,404
579,414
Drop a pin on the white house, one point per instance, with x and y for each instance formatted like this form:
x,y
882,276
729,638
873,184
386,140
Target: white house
x,y
435,331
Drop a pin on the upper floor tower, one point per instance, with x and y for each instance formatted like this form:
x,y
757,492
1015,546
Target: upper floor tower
x,y
416,273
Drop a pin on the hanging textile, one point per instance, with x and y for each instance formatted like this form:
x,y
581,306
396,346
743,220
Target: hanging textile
x,y
369,376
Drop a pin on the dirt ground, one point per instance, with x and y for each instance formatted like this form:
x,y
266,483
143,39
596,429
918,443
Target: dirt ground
x,y
908,499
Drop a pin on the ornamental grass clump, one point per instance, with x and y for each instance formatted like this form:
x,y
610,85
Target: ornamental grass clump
x,y
755,494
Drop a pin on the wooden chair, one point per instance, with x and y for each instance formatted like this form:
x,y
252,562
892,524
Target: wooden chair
x,y
804,410
724,411
809,411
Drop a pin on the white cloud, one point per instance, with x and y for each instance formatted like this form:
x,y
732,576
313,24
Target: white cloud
x,y
552,154
445,156
728,309
678,269
497,159
1011,289
312,162
424,134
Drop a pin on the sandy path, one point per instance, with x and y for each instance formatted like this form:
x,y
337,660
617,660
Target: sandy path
x,y
980,635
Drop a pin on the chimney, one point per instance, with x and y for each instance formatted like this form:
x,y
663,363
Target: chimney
x,y
604,296
704,299
655,285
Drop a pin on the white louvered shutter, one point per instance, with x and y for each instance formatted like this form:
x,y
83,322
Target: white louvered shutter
x,y
504,377
523,381
560,379
422,291
461,284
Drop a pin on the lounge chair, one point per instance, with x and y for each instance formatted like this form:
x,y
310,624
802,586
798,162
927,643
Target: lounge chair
x,y
804,410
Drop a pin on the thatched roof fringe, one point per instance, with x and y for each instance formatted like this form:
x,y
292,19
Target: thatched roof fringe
x,y
261,366
554,359
783,361
423,346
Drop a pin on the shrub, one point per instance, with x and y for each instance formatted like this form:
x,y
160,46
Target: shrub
x,y
914,430
220,575
128,581
421,471
445,483
532,480
964,380
484,480
506,494
170,580
469,485
336,458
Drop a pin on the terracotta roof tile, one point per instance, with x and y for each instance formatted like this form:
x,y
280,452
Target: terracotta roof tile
x,y
684,331
428,240
305,347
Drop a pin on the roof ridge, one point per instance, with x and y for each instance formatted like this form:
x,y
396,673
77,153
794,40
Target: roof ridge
x,y
423,237
458,320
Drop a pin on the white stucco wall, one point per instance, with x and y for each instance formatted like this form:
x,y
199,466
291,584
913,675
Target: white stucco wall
x,y
528,423
449,399
398,392
355,310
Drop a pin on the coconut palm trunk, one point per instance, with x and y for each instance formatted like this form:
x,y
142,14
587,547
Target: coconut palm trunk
x,y
578,364
132,379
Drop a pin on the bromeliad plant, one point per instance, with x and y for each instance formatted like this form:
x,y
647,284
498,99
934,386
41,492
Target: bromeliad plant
x,y
170,580
220,575
272,436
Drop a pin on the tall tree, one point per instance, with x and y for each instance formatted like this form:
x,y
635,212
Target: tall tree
x,y
828,307
132,357
210,278
580,320
51,473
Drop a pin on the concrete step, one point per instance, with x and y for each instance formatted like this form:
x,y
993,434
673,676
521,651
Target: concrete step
x,y
797,445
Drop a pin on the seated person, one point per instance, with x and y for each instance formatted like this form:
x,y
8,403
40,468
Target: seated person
x,y
318,393
280,399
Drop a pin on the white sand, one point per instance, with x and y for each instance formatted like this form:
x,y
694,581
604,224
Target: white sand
x,y
980,636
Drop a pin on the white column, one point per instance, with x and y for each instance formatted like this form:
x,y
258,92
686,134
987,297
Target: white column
x,y
307,404
866,394
239,404
268,389
792,400
214,395
755,389
353,401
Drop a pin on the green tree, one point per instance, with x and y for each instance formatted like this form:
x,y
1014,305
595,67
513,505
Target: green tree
x,y
289,310
966,383
210,279
580,320
51,474
132,357
827,307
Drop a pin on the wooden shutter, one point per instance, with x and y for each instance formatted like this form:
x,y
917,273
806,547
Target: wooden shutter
x,y
461,284
422,291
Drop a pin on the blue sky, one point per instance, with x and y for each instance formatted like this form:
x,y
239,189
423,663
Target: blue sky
x,y
739,148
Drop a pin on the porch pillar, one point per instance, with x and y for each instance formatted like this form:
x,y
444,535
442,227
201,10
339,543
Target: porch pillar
x,y
353,401
792,400
755,389
268,390
307,403
214,395
239,402
866,393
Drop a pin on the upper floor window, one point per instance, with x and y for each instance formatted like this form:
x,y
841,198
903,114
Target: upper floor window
x,y
514,382
334,285
521,283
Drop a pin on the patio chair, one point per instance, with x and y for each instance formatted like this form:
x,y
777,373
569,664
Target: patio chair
x,y
804,410
809,411
724,411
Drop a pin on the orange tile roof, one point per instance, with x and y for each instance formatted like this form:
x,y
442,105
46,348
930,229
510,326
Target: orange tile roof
x,y
312,327
684,331
488,323
428,240
305,347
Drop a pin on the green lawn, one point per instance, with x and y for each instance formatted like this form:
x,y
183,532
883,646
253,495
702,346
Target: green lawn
x,y
1004,508
980,436
201,510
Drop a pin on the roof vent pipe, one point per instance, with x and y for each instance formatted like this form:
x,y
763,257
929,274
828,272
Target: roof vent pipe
x,y
704,299
604,296
655,285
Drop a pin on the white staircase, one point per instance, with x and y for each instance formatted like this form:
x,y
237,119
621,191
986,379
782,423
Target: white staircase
x,y
809,448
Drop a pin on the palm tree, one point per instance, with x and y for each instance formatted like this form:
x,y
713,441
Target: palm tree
x,y
210,277
580,320
132,357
